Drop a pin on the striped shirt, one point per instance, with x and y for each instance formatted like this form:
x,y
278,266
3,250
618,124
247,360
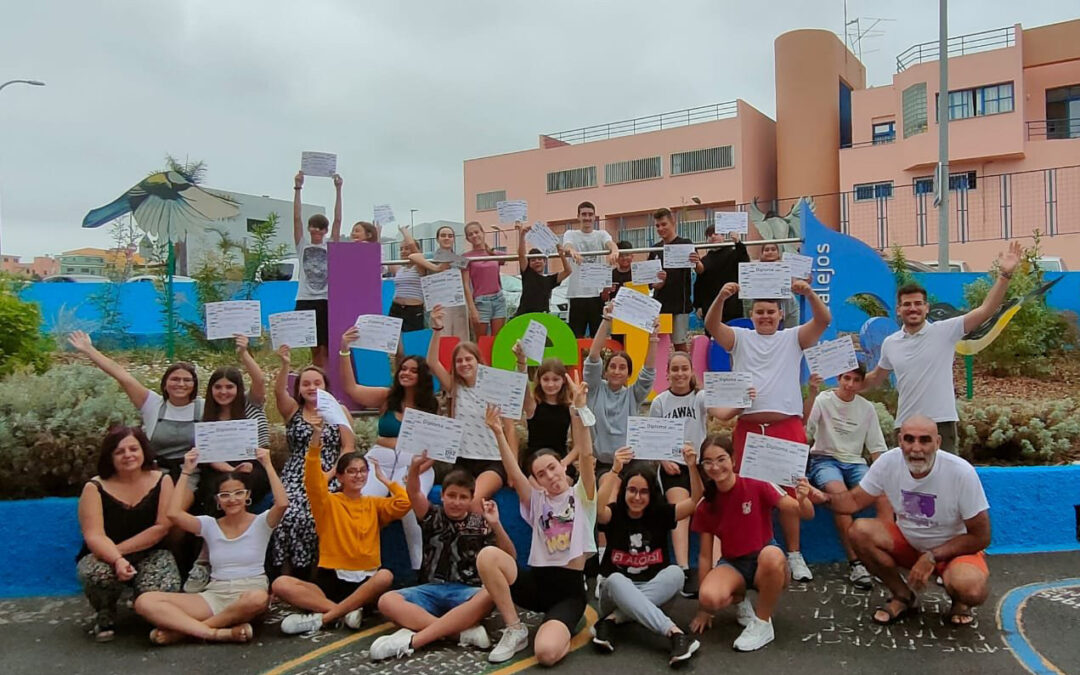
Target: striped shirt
x,y
407,284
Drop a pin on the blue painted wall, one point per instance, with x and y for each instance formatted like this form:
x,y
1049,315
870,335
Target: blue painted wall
x,y
1032,509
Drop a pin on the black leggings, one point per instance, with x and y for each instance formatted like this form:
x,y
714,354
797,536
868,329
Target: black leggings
x,y
556,591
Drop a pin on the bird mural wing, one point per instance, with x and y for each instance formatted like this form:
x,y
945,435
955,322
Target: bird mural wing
x,y
988,331
165,204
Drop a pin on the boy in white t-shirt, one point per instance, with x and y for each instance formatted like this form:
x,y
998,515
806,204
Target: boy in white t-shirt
x,y
586,307
311,255
842,425
942,524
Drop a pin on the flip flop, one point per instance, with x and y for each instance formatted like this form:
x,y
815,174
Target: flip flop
x,y
959,618
103,633
909,606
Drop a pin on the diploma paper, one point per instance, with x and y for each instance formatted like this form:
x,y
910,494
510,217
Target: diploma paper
x,y
296,329
731,221
540,236
636,309
514,211
383,215
377,333
330,409
318,163
440,436
831,358
801,265
773,460
595,275
534,341
728,390
234,440
455,260
443,288
656,438
502,388
677,256
645,271
764,280
225,319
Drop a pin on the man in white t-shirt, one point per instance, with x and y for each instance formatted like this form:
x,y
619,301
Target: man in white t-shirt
x,y
586,304
311,256
942,524
842,425
774,358
921,354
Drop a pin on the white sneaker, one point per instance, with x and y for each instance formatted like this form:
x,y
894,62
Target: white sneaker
x,y
858,575
295,624
474,637
755,636
198,578
799,570
744,613
392,646
599,583
513,640
353,618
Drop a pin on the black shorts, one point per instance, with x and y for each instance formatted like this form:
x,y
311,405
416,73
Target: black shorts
x,y
556,591
479,466
412,316
322,318
333,588
745,565
668,481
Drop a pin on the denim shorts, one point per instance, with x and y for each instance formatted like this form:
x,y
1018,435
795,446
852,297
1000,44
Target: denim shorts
x,y
490,306
824,469
438,598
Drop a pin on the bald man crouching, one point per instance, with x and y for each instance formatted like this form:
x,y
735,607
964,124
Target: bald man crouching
x,y
942,524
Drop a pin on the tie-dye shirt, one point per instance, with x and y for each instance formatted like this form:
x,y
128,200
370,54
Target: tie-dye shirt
x,y
562,526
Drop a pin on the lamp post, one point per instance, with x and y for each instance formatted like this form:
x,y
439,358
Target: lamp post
x,y
411,213
35,83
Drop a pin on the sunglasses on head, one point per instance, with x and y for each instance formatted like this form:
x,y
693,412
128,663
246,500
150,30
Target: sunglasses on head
x,y
910,438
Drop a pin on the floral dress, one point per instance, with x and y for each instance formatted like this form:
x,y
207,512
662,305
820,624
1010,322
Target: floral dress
x,y
295,541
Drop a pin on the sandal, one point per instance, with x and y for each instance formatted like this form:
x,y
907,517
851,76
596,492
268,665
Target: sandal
x,y
959,616
103,632
162,637
908,606
240,633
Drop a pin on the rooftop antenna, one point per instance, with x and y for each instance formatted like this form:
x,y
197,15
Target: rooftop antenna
x,y
855,33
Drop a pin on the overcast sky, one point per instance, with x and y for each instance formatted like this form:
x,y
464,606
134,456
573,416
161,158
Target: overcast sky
x,y
402,91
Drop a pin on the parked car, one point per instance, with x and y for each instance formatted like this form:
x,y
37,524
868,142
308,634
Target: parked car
x,y
75,278
151,278
1052,263
511,285
954,265
285,270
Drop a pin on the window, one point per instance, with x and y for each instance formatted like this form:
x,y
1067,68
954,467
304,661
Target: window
x,y
989,100
571,179
638,236
632,170
867,191
957,181
694,230
486,201
997,99
884,132
1063,112
914,109
707,159
845,115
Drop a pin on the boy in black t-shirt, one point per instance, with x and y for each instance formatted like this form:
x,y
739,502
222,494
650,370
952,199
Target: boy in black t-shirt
x,y
536,286
621,273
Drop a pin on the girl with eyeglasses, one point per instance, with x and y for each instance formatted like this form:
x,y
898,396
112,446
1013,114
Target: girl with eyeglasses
x,y
237,541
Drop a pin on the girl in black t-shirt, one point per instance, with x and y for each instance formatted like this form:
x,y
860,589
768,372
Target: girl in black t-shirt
x,y
547,409
639,574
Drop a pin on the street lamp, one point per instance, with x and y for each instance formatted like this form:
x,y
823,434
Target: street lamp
x,y
36,83
411,212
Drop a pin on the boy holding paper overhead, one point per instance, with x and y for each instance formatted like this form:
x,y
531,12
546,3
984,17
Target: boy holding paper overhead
x,y
673,289
312,256
536,286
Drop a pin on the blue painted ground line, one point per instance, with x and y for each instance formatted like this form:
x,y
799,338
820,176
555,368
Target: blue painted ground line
x,y
1009,614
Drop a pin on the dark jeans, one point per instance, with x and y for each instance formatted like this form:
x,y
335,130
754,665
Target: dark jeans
x,y
586,314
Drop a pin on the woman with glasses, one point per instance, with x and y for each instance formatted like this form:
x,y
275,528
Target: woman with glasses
x,y
237,541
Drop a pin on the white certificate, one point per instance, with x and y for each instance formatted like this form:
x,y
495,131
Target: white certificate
x,y
296,329
534,341
656,438
677,256
443,288
645,271
502,388
513,211
318,163
540,236
454,260
595,275
383,214
801,265
234,440
728,390
225,319
774,460
636,309
377,333
764,280
731,221
330,410
831,358
440,436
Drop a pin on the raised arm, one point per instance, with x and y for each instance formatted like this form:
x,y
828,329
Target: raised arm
x,y
714,318
579,392
286,405
565,271
602,334
502,538
811,331
1007,263
368,397
176,513
420,504
607,495
257,392
134,389
812,390
493,420
438,314
297,209
281,499
686,507
335,227
522,249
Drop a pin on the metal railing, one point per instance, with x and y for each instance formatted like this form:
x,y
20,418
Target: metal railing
x,y
1053,129
883,140
640,125
971,43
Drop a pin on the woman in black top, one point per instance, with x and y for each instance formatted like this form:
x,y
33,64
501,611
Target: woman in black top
x,y
547,409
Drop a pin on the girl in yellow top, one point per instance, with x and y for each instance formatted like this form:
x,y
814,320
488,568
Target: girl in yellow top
x,y
348,525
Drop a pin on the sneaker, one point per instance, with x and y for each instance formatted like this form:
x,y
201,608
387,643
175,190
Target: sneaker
x,y
799,570
603,636
744,613
198,577
392,646
295,624
474,637
599,583
354,618
859,576
755,636
513,640
689,587
683,647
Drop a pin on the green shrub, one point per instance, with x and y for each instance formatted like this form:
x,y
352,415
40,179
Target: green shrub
x,y
21,341
1019,431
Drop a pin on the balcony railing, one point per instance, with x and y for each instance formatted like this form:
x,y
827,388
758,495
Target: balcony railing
x,y
640,125
971,43
1053,129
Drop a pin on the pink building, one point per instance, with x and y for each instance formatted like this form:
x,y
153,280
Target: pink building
x,y
42,266
864,154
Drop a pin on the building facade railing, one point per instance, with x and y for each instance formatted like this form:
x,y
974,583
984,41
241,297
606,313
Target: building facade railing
x,y
640,125
1053,129
959,45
